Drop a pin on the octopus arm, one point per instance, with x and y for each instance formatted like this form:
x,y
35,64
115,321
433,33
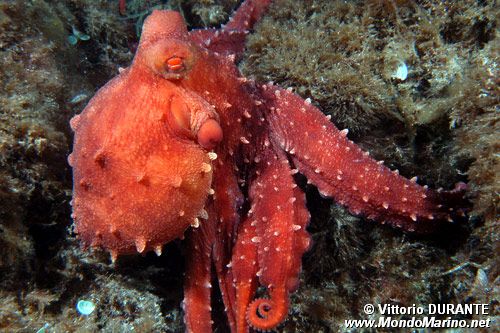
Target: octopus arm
x,y
243,268
273,239
230,40
227,201
197,283
211,243
228,43
340,169
247,15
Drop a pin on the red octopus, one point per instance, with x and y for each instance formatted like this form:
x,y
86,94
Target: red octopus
x,y
179,141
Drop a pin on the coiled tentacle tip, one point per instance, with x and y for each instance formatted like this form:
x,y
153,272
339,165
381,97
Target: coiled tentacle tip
x,y
265,314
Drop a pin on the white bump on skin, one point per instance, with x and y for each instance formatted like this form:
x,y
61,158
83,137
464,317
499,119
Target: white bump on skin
x,y
203,214
212,156
256,239
205,167
140,244
196,223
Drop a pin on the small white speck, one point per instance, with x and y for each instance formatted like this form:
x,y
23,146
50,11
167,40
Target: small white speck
x,y
85,307
401,72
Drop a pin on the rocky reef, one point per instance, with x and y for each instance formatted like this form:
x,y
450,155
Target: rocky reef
x,y
416,82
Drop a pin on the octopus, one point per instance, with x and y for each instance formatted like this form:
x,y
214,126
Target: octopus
x,y
180,145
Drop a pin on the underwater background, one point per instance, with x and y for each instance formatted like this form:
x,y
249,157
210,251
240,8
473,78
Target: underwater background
x,y
416,83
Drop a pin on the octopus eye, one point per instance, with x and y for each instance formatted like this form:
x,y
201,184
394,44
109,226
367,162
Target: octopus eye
x,y
171,58
175,64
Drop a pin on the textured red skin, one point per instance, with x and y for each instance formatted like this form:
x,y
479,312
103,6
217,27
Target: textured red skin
x,y
138,123
134,188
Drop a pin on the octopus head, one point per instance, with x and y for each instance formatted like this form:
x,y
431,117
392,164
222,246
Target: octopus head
x,y
166,51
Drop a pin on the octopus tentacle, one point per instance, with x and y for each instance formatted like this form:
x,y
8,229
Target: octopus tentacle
x,y
227,200
265,314
278,209
230,40
223,42
247,14
341,170
244,269
197,284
